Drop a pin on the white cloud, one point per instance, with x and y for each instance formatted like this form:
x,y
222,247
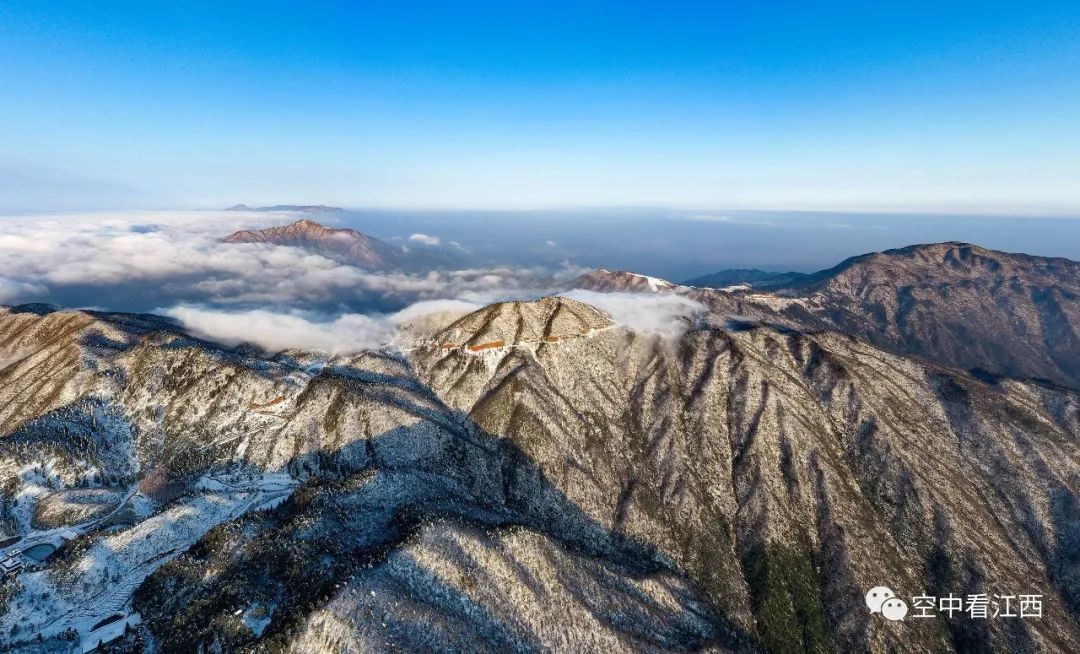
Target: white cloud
x,y
281,331
448,310
277,297
425,239
666,314
350,332
178,257
12,289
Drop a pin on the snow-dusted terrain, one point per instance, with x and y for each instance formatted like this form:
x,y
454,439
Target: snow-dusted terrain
x,y
101,577
533,476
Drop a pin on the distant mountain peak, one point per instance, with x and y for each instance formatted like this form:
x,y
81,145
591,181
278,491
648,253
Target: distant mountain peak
x,y
302,226
347,244
313,227
953,302
938,263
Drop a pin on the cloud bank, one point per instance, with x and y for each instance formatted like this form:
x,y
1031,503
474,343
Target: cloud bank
x,y
276,297
425,239
282,331
665,314
139,261
351,332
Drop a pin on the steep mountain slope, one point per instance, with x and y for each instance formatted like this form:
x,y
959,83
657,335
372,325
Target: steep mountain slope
x,y
548,319
756,455
1006,314
195,435
572,485
346,244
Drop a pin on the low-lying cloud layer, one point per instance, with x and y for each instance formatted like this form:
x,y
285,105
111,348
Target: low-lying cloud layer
x,y
282,331
351,332
664,315
140,261
273,296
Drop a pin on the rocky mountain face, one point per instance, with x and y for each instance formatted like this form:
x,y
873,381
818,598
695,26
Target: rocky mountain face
x,y
1006,314
509,324
531,477
348,245
995,313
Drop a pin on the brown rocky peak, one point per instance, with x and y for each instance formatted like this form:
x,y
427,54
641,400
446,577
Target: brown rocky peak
x,y
345,244
307,223
303,228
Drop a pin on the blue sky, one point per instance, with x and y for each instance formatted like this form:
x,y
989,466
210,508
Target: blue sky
x,y
905,106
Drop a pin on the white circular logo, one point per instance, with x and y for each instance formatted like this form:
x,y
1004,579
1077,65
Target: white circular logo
x,y
894,609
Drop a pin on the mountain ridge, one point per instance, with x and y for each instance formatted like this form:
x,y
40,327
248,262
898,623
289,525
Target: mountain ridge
x,y
549,481
739,276
620,281
721,465
1009,314
347,244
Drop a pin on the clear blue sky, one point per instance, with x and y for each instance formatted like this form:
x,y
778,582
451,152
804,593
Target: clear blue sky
x,y
846,105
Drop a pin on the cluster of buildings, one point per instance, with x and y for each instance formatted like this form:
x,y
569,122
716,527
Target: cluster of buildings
x,y
11,566
23,556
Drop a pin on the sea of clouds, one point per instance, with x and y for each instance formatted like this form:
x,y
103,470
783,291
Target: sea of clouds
x,y
174,263
81,260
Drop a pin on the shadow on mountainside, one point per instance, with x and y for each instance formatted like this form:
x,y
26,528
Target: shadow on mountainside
x,y
375,496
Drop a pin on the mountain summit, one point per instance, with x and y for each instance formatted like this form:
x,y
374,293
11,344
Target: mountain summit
x,y
1011,314
619,281
350,246
345,244
1002,313
548,320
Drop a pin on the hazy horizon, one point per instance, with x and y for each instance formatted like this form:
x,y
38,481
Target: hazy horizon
x,y
151,260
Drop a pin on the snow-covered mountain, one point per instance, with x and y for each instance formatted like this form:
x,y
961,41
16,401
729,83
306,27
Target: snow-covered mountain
x,y
998,313
534,476
620,281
